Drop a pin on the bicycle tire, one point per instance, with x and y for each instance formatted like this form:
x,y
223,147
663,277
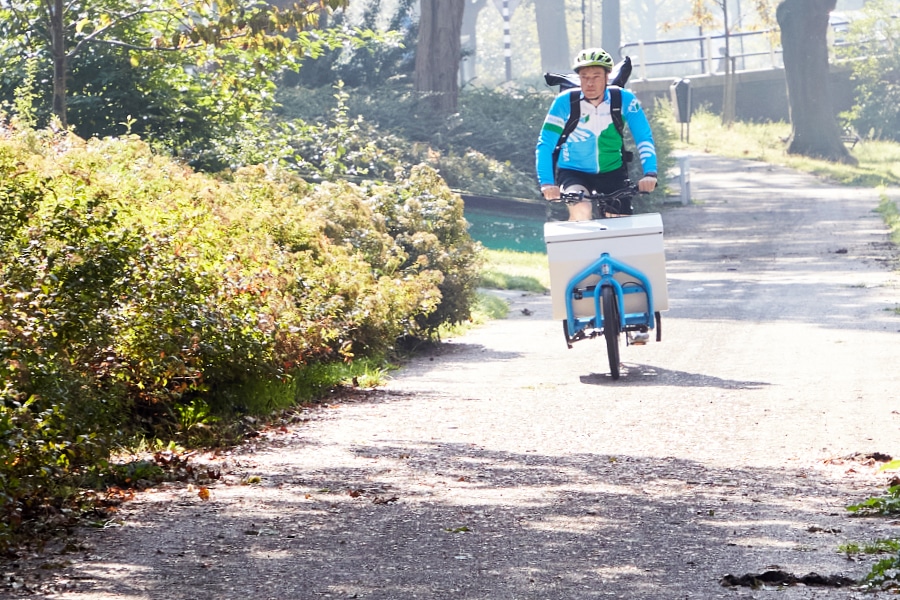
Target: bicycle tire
x,y
611,328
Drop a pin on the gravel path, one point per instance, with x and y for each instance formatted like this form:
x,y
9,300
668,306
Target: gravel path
x,y
505,466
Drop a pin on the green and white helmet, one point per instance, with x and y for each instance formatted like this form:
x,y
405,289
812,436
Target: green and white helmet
x,y
593,57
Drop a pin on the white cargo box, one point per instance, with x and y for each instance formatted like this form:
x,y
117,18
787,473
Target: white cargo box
x,y
636,241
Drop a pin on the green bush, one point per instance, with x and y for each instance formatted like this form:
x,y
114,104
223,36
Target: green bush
x,y
426,220
487,148
502,124
876,71
660,117
140,297
479,150
59,278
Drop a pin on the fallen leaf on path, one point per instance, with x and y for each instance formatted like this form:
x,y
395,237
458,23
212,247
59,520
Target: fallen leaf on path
x,y
383,500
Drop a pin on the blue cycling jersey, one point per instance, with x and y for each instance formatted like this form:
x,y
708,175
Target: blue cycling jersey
x,y
595,145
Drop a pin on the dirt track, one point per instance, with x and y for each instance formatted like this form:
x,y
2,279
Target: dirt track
x,y
505,466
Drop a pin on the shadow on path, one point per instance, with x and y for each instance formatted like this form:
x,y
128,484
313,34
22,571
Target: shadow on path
x,y
422,518
639,374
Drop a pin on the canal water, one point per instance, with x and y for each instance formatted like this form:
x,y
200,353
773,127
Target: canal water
x,y
506,224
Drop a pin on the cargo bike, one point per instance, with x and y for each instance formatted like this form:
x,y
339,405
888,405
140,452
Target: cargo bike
x,y
608,274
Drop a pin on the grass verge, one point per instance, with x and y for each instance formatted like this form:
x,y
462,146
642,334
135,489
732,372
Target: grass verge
x,y
503,270
879,161
509,270
891,215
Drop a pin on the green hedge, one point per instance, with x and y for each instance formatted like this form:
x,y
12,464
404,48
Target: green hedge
x,y
134,290
487,148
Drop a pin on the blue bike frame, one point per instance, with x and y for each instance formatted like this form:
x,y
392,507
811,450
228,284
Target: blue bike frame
x,y
606,267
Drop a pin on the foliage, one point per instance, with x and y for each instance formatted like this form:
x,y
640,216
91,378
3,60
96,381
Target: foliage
x,y
370,62
330,137
891,215
874,51
879,546
493,122
887,504
426,220
139,297
487,148
661,118
712,15
886,572
502,123
184,74
345,147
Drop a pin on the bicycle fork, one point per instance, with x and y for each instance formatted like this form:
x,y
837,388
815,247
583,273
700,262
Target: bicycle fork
x,y
606,268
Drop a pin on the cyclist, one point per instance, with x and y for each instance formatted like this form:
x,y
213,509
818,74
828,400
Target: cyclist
x,y
591,160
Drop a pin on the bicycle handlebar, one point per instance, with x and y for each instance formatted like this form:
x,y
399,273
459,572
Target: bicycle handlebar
x,y
626,192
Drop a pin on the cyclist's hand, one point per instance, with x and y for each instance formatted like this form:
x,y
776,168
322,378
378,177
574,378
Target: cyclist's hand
x,y
647,184
550,192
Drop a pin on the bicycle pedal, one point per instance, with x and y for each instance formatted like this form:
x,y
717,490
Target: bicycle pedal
x,y
639,338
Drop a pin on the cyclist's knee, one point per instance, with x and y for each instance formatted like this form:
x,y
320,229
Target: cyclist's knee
x,y
581,211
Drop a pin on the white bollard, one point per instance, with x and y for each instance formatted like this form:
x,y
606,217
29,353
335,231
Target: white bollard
x,y
684,164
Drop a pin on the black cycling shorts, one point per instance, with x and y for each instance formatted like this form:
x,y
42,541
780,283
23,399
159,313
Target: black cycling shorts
x,y
599,183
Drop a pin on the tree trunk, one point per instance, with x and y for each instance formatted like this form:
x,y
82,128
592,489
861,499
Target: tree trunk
x,y
553,36
469,35
611,30
814,128
58,52
438,53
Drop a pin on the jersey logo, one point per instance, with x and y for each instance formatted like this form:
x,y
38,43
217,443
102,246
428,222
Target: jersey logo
x,y
579,135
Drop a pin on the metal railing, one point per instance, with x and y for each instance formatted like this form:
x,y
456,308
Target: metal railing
x,y
705,55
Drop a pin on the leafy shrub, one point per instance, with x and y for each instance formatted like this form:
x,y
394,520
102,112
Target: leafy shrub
x,y
426,220
472,152
487,148
876,71
660,117
343,147
58,280
139,296
502,124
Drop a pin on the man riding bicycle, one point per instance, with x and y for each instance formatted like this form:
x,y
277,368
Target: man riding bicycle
x,y
592,159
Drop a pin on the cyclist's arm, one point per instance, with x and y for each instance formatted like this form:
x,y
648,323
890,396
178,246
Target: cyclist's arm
x,y
550,131
639,126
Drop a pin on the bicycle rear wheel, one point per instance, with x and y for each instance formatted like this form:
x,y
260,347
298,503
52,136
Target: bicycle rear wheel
x,y
611,328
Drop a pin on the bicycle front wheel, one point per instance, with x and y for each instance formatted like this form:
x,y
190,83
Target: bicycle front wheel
x,y
611,328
